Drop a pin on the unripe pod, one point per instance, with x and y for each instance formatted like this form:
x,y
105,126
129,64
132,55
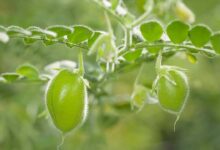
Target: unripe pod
x,y
66,100
173,93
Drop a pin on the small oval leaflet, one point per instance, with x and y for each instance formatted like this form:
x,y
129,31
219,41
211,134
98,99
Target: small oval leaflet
x,y
66,100
151,31
215,40
133,55
177,31
60,30
80,34
199,35
28,71
10,77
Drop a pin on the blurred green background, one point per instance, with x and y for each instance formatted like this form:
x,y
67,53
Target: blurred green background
x,y
150,129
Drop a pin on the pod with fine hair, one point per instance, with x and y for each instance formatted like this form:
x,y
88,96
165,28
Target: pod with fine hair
x,y
66,100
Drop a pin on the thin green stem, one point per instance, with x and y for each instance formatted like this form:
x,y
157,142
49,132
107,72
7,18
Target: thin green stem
x,y
144,15
139,75
158,62
170,45
128,38
110,12
81,64
109,25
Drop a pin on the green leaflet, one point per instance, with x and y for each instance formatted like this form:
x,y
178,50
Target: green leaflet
x,y
28,71
177,31
66,99
133,55
80,34
151,31
199,35
94,37
10,77
60,30
215,40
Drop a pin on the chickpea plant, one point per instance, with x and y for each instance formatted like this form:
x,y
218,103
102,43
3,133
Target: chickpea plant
x,y
145,38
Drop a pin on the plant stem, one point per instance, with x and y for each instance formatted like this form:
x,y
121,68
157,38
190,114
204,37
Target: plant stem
x,y
170,45
144,15
109,25
139,74
158,62
128,38
81,65
110,12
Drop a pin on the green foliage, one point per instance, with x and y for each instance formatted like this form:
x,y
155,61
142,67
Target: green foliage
x,y
177,31
199,35
28,71
215,40
151,31
10,77
80,34
133,55
116,52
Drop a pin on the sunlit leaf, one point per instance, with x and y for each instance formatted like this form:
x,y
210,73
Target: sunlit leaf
x,y
215,40
133,55
60,30
10,77
199,35
151,31
17,31
94,37
80,34
28,71
177,31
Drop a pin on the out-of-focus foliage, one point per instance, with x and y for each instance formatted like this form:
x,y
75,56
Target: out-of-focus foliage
x,y
117,127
